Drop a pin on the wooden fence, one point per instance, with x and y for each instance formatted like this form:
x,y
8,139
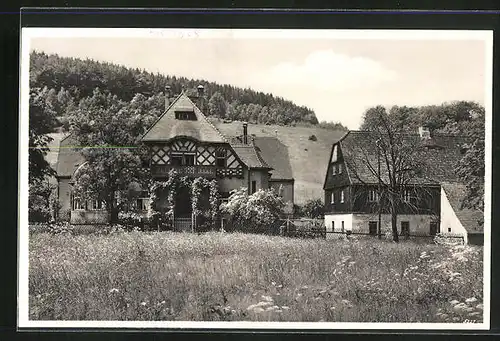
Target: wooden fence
x,y
315,228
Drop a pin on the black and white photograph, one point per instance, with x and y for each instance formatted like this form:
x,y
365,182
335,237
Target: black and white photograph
x,y
255,178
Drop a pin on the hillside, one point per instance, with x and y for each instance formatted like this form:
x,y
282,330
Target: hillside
x,y
309,159
68,80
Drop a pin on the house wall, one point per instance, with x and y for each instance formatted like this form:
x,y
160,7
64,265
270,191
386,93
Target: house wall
x,y
333,222
229,184
419,223
449,219
333,178
338,207
287,193
261,177
64,198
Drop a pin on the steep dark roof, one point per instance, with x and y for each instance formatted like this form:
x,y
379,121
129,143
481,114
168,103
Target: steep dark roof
x,y
249,155
472,220
276,155
168,127
437,156
68,158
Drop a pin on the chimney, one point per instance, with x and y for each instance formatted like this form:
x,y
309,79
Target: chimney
x,y
245,132
424,132
168,94
201,103
201,90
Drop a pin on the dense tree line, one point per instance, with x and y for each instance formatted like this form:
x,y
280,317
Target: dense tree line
x,y
69,80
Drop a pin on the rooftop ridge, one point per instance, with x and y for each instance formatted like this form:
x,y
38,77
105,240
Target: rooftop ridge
x,y
206,120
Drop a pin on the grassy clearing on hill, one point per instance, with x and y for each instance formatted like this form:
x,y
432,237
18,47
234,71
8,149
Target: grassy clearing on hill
x,y
214,276
309,159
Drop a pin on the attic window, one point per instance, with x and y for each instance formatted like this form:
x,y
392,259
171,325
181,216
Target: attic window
x,y
334,154
185,115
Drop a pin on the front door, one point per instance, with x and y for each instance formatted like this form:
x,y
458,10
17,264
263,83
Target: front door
x,y
372,228
433,228
405,228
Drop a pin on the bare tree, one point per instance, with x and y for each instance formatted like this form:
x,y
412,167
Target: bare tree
x,y
388,159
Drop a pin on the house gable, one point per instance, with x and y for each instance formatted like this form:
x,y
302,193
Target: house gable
x,y
337,174
183,119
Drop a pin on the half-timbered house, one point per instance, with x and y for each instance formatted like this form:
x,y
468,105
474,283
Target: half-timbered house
x,y
184,140
430,203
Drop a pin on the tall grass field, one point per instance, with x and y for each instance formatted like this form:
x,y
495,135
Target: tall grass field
x,y
244,277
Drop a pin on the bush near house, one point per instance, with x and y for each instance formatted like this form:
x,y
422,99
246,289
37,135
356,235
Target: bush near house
x,y
233,276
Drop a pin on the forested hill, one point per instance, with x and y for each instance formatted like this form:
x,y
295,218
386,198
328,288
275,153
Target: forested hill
x,y
70,79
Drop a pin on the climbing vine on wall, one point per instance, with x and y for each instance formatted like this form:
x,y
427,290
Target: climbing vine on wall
x,y
199,184
172,185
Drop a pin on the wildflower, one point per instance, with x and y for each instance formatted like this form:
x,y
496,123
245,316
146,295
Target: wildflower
x,y
460,306
267,298
454,302
273,283
471,300
143,304
113,290
332,308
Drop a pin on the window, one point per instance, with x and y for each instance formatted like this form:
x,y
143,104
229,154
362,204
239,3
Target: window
x,y
176,160
142,203
342,196
342,226
334,169
340,168
333,225
372,228
78,204
188,159
185,115
254,186
405,228
449,229
179,159
220,158
97,205
334,154
332,197
373,195
406,195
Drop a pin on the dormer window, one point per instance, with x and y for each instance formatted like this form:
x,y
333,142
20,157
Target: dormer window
x,y
185,115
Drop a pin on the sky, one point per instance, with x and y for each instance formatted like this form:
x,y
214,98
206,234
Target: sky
x,y
338,78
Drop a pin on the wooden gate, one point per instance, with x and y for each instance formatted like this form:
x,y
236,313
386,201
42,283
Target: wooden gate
x,y
183,224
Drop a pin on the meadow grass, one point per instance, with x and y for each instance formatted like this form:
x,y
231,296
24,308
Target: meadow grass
x,y
233,277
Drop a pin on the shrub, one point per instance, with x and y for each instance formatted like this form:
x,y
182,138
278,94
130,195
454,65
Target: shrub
x,y
313,138
258,212
314,209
